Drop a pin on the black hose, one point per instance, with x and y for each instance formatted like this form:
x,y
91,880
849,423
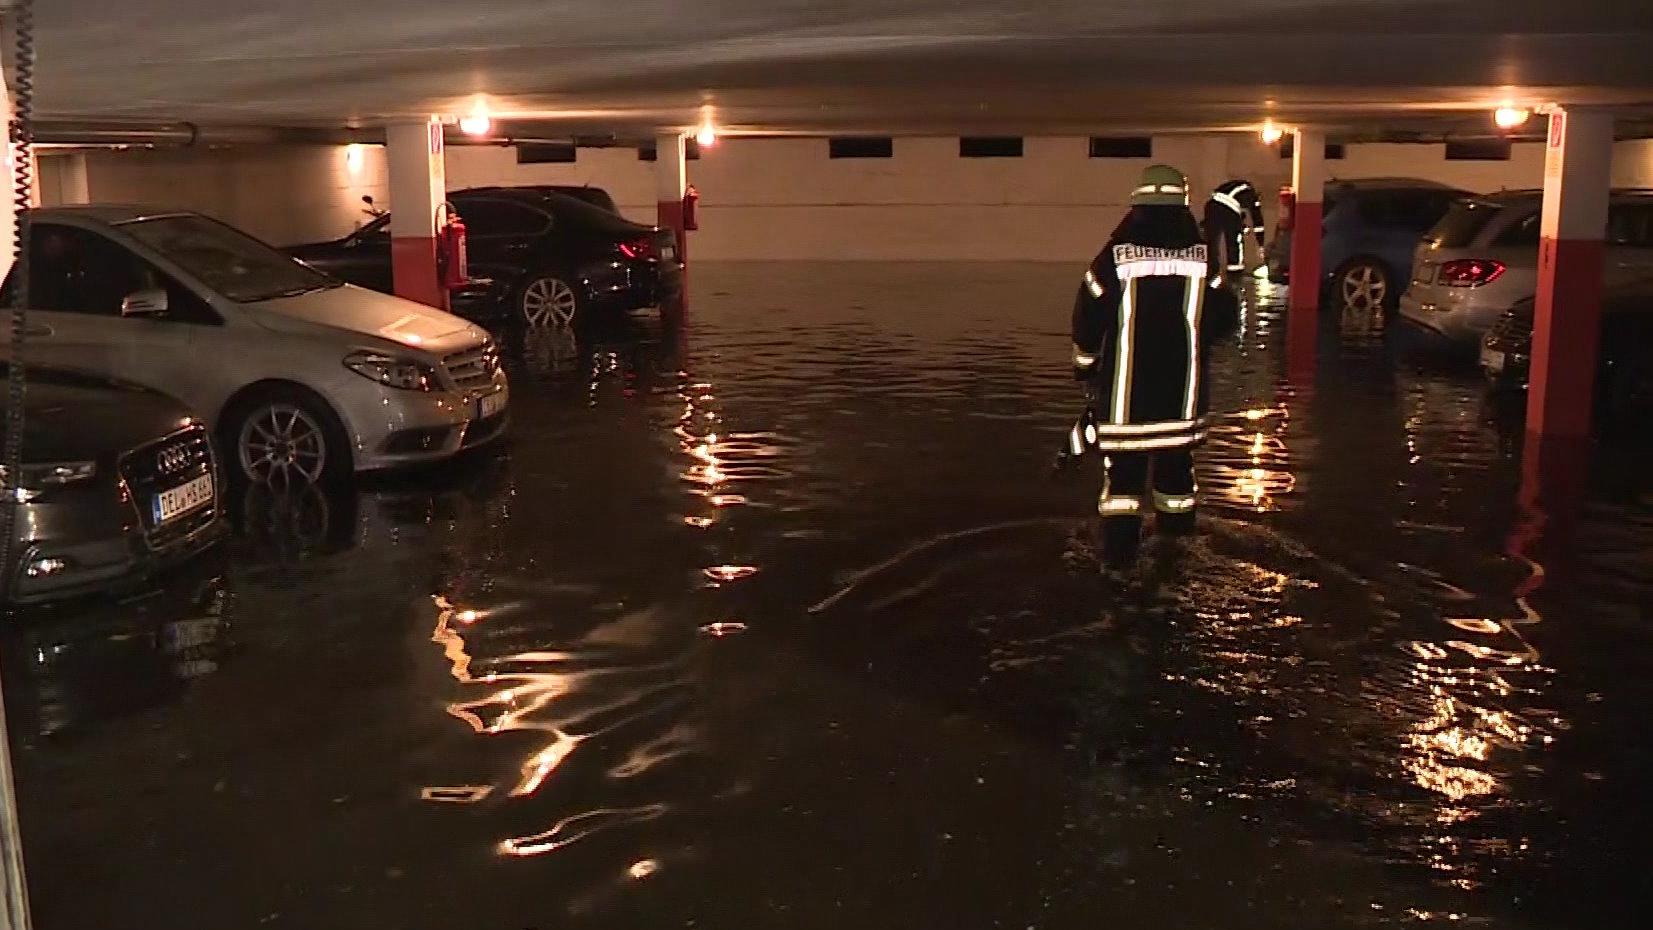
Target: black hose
x,y
22,137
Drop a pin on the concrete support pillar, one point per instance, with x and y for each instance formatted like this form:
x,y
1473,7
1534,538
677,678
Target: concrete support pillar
x,y
671,179
8,208
1571,263
1308,181
73,185
418,186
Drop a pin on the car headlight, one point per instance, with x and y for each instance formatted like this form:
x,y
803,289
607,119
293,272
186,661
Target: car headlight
x,y
395,371
43,477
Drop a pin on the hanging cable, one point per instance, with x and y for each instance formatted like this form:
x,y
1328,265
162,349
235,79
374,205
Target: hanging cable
x,y
22,132
16,890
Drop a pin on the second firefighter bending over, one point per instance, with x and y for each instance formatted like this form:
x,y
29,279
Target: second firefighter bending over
x,y
1140,328
1233,212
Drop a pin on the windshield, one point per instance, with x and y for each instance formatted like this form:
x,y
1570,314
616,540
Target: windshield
x,y
1462,223
225,259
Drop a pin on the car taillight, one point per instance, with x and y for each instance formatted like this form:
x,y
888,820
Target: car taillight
x,y
638,248
1469,272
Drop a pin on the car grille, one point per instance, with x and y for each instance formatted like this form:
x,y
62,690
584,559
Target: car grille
x,y
1513,331
165,464
472,370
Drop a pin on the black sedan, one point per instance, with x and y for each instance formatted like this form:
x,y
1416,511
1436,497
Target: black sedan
x,y
117,482
1624,378
540,257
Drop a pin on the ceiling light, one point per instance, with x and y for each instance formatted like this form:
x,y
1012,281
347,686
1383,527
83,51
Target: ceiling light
x,y
707,134
478,122
1272,133
1510,117
355,156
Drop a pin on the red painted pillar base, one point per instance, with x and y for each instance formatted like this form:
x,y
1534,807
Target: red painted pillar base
x,y
670,216
1303,299
1565,339
1305,257
413,272
1554,477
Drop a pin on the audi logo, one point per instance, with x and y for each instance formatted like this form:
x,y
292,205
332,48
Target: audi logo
x,y
171,459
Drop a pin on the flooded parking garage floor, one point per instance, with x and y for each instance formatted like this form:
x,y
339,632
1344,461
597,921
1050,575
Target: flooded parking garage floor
x,y
783,621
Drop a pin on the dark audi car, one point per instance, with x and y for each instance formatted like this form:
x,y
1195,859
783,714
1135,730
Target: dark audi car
x,y
1624,375
540,257
118,481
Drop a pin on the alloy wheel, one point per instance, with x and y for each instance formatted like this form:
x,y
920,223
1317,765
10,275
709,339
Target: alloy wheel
x,y
548,302
1365,287
282,445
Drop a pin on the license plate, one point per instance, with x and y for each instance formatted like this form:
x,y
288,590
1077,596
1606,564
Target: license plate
x,y
490,405
182,499
668,252
1493,361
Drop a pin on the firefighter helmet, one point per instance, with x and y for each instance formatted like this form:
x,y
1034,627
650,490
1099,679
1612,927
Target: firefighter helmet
x,y
1161,185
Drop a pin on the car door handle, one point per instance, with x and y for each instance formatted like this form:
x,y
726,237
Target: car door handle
x,y
37,331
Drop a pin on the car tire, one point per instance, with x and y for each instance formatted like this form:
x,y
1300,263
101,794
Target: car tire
x,y
1365,284
547,300
284,436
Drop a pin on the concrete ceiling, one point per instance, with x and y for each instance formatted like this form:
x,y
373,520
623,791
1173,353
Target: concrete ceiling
x,y
891,66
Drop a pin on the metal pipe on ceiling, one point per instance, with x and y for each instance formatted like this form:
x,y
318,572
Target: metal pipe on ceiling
x,y
110,133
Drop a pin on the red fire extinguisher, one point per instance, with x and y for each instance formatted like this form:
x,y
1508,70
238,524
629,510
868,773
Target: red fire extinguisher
x,y
691,200
1288,207
453,265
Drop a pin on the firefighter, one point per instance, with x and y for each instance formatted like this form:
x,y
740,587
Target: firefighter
x,y
1140,321
1233,211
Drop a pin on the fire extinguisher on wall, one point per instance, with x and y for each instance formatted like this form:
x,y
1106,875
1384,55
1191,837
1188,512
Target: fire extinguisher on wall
x,y
691,200
453,269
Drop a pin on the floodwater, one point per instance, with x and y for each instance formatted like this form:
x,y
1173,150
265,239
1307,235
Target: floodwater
x,y
784,621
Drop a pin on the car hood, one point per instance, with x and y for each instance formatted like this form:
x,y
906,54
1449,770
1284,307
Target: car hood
x,y
361,312
107,417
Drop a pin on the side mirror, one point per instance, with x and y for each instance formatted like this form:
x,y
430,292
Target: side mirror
x,y
147,302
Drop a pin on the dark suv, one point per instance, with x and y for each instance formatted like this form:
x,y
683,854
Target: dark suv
x,y
1370,231
118,481
1624,373
540,257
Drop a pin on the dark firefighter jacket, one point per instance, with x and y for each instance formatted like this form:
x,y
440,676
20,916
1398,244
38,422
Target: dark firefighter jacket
x,y
1241,197
1144,314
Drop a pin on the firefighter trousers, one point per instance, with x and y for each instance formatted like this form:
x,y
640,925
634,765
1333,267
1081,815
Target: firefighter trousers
x,y
1128,495
1225,237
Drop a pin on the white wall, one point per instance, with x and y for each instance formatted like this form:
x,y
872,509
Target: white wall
x,y
1633,164
285,194
785,199
1524,169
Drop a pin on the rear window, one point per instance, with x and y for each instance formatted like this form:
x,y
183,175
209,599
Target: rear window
x,y
1463,222
1415,210
1522,232
595,196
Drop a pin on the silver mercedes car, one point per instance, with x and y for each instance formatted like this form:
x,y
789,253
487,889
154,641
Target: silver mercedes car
x,y
299,374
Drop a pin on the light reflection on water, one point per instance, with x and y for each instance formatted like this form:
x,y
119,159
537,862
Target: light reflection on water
x,y
1292,688
788,617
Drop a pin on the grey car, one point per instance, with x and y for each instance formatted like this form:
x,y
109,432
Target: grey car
x,y
1482,259
118,482
299,374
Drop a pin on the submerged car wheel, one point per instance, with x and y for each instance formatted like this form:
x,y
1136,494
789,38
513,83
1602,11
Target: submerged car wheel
x,y
548,301
1364,284
283,438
